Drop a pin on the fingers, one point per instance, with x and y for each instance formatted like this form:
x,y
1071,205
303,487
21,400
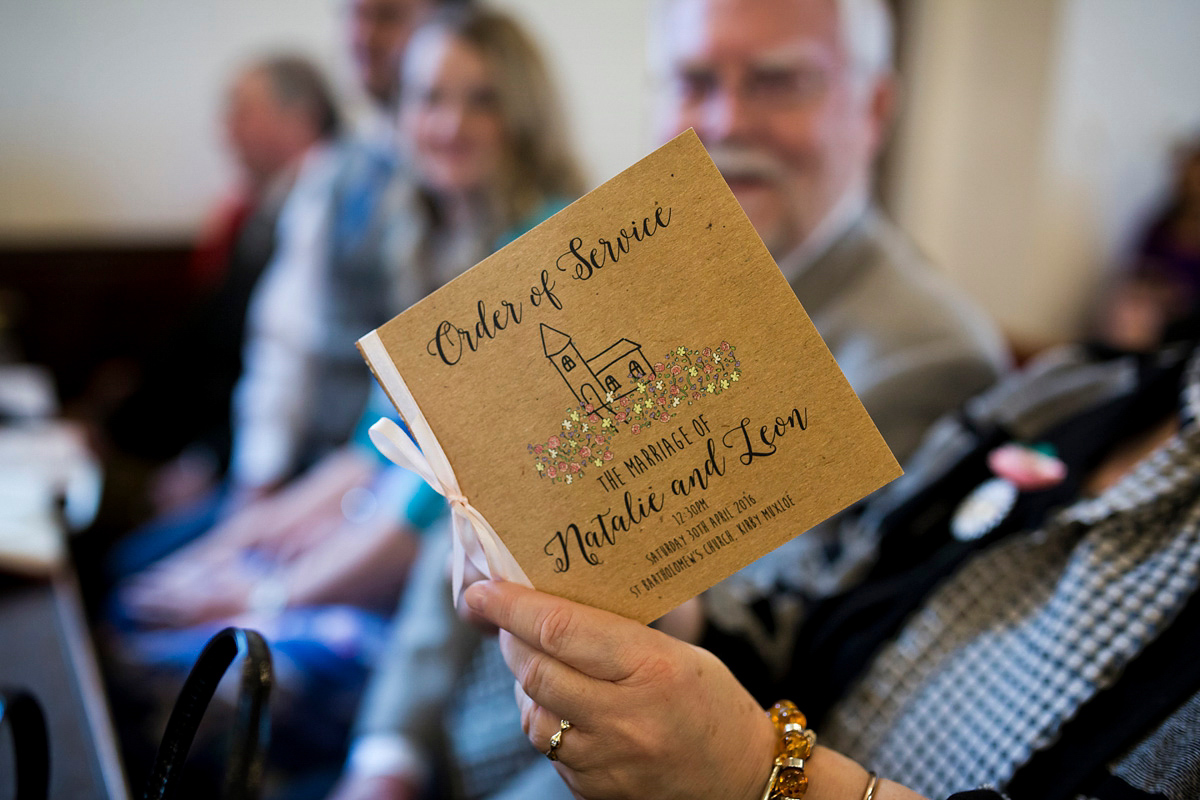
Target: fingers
x,y
471,576
560,689
597,643
540,725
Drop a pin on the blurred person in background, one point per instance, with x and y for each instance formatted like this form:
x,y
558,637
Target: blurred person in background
x,y
1161,288
332,214
302,385
793,99
279,112
317,565
485,135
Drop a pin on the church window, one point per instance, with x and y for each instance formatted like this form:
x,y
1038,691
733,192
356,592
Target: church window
x,y
635,370
612,384
568,363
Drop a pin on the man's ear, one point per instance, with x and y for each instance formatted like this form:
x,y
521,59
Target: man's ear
x,y
884,104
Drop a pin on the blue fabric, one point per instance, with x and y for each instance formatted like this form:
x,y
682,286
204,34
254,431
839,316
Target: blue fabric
x,y
163,535
368,175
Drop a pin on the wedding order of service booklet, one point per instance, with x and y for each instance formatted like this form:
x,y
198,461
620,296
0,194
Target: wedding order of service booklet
x,y
630,396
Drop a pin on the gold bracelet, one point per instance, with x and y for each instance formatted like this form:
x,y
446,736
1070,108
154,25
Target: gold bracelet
x,y
872,785
796,743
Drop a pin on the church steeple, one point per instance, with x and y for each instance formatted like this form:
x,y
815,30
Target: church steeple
x,y
554,341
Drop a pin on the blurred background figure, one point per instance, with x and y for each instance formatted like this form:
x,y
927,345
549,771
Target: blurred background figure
x,y
280,110
304,386
794,100
484,133
317,564
1161,287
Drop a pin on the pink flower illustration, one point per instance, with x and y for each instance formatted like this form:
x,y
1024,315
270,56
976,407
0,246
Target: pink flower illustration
x,y
562,466
552,442
675,370
659,367
593,418
550,473
695,395
584,452
708,368
635,428
662,401
608,455
707,351
725,346
537,448
666,416
674,390
599,441
625,402
622,416
574,467
589,408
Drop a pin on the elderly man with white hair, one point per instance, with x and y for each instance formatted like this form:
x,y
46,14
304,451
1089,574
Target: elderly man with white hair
x,y
793,100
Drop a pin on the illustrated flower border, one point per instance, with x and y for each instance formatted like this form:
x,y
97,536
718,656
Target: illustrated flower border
x,y
682,378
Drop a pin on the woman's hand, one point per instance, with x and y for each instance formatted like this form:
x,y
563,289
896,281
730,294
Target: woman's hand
x,y
650,716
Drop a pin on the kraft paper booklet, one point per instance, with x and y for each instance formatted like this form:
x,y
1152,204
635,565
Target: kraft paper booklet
x,y
630,395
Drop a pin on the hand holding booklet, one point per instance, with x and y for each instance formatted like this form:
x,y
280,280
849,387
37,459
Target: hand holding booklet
x,y
627,404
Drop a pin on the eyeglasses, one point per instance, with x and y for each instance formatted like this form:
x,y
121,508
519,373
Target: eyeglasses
x,y
764,88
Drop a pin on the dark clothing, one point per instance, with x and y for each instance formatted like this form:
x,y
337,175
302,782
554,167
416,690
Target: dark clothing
x,y
1087,679
187,388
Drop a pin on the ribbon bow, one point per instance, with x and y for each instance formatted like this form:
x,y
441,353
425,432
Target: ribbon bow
x,y
474,538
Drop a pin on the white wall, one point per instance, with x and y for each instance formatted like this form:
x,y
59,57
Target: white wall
x,y
108,108
1036,137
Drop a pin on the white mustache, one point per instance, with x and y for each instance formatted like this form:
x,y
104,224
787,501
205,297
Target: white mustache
x,y
742,163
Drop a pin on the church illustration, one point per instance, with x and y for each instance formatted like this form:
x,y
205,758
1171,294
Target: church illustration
x,y
601,379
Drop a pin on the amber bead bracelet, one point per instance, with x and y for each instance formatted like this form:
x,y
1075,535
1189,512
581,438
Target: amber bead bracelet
x,y
796,743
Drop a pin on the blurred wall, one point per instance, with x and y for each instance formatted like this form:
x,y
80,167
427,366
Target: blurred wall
x,y
1036,138
109,108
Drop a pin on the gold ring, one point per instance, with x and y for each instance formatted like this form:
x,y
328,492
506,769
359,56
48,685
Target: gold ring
x,y
556,739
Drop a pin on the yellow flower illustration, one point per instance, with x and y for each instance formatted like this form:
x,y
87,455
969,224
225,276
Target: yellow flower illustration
x,y
710,388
